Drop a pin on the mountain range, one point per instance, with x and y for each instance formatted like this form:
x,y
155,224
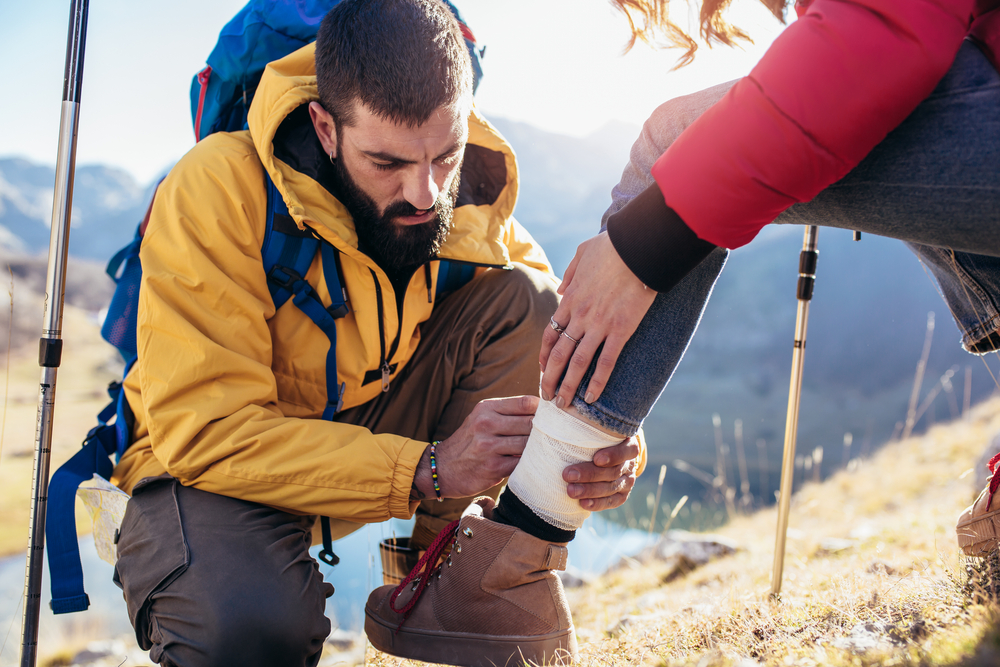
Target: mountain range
x,y
866,328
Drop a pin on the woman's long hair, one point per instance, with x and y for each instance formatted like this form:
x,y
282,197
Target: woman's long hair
x,y
650,22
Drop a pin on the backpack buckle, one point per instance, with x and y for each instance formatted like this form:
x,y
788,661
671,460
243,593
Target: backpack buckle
x,y
283,277
338,311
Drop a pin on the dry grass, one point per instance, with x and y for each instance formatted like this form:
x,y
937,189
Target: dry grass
x,y
85,370
873,545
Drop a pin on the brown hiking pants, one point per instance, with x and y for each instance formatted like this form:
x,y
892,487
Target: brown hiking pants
x,y
212,580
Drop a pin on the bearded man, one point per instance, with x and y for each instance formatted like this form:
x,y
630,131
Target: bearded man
x,y
241,439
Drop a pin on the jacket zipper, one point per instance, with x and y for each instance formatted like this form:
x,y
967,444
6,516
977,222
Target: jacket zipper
x,y
384,366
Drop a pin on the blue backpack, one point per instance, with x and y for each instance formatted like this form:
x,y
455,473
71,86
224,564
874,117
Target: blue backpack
x,y
263,31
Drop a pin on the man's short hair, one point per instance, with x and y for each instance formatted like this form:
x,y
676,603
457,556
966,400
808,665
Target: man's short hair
x,y
402,59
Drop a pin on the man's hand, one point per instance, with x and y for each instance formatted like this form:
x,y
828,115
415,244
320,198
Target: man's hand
x,y
482,452
605,483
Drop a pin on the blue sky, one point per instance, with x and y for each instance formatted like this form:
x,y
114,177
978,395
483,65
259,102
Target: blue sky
x,y
554,63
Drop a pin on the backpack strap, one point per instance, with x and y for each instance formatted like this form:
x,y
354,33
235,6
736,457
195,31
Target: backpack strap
x,y
62,546
451,276
287,254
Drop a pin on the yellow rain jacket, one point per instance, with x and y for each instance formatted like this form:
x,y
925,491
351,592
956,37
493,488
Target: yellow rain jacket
x,y
227,393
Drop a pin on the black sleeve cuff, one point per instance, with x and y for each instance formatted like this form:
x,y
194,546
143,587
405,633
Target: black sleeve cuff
x,y
653,241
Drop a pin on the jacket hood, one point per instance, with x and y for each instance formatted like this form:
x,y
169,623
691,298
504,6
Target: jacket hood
x,y
487,192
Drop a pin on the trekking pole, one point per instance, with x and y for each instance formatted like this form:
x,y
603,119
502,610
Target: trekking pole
x,y
807,278
50,344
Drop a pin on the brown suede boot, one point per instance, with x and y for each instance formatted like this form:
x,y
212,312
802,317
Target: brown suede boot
x,y
978,527
495,601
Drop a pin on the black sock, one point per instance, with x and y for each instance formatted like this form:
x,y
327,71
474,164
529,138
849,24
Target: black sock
x,y
510,510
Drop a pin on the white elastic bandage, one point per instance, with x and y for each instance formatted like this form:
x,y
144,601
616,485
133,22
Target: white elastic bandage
x,y
557,440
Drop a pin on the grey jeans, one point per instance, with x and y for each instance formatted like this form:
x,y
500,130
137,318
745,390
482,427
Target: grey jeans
x,y
211,580
933,182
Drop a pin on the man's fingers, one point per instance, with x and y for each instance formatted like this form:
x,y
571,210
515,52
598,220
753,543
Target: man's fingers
x,y
600,489
587,473
617,454
505,465
609,464
609,503
513,405
502,429
509,446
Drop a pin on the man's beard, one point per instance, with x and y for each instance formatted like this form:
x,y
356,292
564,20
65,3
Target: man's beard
x,y
392,245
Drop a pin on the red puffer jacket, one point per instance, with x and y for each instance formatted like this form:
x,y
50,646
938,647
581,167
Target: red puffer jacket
x,y
829,89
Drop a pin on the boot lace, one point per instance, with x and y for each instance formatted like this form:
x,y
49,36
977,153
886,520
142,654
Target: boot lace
x,y
994,480
423,569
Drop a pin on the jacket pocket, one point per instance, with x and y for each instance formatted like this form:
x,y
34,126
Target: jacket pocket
x,y
152,549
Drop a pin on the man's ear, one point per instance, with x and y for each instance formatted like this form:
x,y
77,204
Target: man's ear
x,y
326,128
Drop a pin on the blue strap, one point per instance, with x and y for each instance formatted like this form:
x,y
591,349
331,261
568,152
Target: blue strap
x,y
453,275
131,250
287,254
308,301
124,419
65,569
120,323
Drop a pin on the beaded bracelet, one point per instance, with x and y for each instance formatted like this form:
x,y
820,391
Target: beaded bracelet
x,y
434,471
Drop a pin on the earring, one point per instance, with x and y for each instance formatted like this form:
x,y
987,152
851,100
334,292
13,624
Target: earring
x,y
331,157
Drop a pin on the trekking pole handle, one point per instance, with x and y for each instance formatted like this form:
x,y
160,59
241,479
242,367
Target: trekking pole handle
x,y
807,265
50,343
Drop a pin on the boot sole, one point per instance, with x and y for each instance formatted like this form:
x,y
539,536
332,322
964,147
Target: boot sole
x,y
471,650
981,535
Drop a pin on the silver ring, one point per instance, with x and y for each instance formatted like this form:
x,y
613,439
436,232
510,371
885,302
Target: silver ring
x,y
555,326
575,341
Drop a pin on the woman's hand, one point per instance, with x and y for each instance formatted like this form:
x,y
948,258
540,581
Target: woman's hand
x,y
603,302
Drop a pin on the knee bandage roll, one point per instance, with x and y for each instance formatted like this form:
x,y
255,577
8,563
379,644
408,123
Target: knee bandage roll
x,y
557,440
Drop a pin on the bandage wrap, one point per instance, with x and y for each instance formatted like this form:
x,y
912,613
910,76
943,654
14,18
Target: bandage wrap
x,y
557,440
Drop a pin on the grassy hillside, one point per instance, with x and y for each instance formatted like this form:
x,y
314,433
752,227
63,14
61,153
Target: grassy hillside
x,y
873,576
872,573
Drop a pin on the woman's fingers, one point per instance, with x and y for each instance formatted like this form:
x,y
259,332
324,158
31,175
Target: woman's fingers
x,y
558,358
570,271
549,338
613,346
577,366
603,303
